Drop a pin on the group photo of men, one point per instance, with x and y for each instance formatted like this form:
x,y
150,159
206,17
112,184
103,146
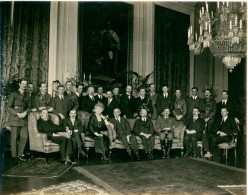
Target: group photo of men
x,y
169,116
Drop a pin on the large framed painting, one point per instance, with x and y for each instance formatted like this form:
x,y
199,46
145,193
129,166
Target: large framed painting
x,y
105,42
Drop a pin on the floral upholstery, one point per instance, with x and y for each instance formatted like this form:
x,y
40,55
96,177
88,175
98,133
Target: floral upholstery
x,y
38,141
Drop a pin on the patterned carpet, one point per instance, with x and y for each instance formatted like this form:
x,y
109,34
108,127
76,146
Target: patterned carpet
x,y
38,168
73,187
169,176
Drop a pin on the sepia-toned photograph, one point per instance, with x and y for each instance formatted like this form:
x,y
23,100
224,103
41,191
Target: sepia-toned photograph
x,y
123,97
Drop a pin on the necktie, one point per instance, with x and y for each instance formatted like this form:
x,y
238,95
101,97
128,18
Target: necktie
x,y
61,98
92,98
117,119
109,101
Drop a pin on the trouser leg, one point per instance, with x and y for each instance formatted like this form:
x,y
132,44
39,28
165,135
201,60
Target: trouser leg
x,y
14,135
187,140
23,140
134,143
62,145
162,140
151,142
125,143
218,140
74,145
144,142
68,147
194,139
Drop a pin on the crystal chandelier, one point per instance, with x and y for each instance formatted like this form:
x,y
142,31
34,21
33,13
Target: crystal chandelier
x,y
223,32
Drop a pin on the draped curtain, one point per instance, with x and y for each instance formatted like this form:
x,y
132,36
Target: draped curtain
x,y
25,43
171,50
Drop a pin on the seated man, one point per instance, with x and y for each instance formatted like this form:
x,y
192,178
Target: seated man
x,y
143,127
165,128
45,125
75,125
123,131
226,127
194,129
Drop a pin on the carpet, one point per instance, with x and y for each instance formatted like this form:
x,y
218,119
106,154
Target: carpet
x,y
76,187
168,176
38,168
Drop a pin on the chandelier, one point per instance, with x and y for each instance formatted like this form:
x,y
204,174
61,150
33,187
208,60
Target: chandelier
x,y
223,32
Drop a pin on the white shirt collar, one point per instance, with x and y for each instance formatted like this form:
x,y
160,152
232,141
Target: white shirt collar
x,y
225,118
118,118
143,119
78,94
195,118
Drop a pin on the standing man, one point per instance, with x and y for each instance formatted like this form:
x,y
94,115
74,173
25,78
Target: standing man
x,y
89,100
226,128
143,127
152,95
208,109
127,103
111,105
42,99
193,102
75,126
71,95
61,104
116,94
142,102
79,94
163,100
100,98
123,131
18,110
179,107
229,104
31,94
194,130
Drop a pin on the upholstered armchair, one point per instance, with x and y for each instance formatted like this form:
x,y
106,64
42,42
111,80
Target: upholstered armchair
x,y
38,141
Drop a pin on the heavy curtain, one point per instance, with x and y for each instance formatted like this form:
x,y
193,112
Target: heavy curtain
x,y
171,50
25,43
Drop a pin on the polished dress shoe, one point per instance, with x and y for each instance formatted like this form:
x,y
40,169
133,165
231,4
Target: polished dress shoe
x,y
168,154
104,157
21,159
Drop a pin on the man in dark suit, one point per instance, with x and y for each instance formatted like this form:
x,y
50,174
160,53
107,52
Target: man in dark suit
x,y
193,102
17,106
75,125
116,94
226,128
229,104
45,125
42,99
152,95
164,100
100,98
31,94
61,104
143,127
123,131
89,100
127,103
79,94
111,105
143,102
194,130
71,95
208,109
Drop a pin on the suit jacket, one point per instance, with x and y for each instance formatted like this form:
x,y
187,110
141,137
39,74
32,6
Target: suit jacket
x,y
77,125
145,103
143,126
61,106
95,125
208,109
230,105
154,106
179,107
104,100
127,105
198,125
88,104
191,103
229,126
117,98
17,103
42,101
110,108
48,127
80,101
165,123
163,102
122,128
73,100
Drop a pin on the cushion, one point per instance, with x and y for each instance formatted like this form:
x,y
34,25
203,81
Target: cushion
x,y
227,145
50,143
